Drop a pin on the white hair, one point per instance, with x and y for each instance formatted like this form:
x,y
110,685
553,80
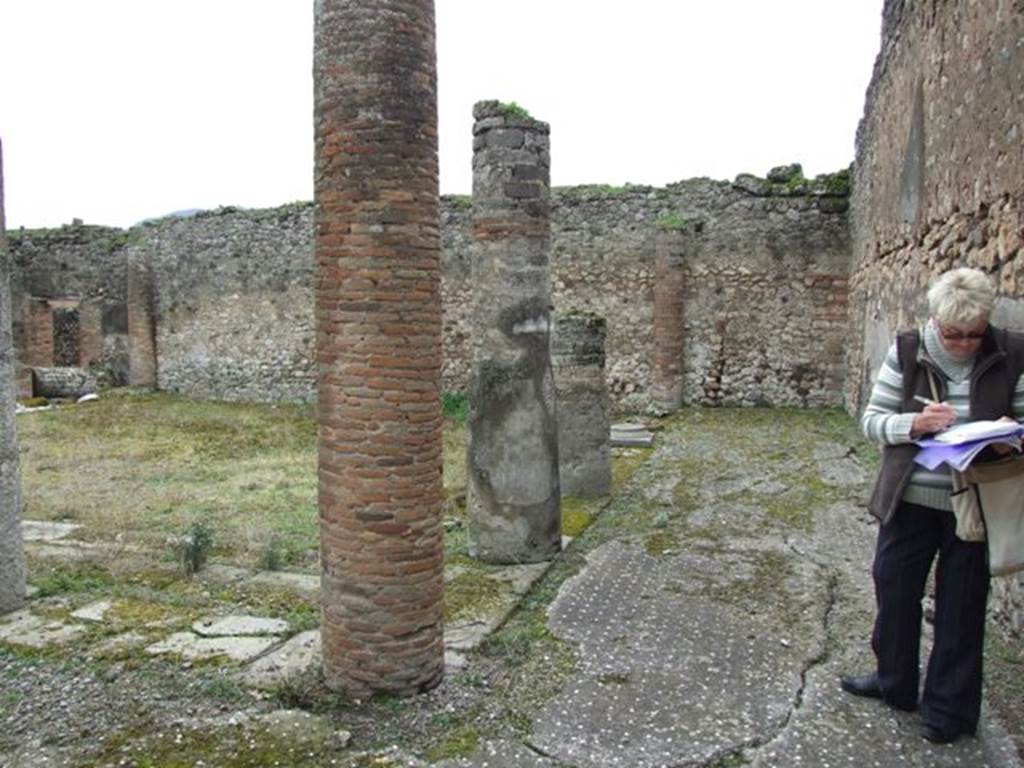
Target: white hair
x,y
961,296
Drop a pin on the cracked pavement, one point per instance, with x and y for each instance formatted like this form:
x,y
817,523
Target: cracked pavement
x,y
714,616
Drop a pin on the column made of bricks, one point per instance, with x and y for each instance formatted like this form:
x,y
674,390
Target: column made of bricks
x,y
142,364
378,309
12,553
514,498
37,349
670,248
578,358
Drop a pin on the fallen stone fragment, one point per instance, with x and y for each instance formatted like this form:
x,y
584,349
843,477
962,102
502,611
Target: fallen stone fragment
x,y
94,612
294,657
303,730
631,434
41,530
192,647
238,625
24,628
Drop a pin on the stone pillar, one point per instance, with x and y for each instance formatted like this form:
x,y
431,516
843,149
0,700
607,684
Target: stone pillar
x,y
670,246
12,553
90,333
378,310
142,367
514,499
577,357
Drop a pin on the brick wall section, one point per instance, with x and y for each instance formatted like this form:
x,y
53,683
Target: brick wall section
x,y
670,281
378,312
939,183
12,553
514,502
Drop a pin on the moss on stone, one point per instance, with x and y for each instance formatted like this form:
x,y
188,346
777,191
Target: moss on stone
x,y
460,743
672,222
576,517
661,543
471,593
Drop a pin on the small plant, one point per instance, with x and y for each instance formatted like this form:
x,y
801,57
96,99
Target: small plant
x,y
271,557
672,222
511,109
455,406
193,548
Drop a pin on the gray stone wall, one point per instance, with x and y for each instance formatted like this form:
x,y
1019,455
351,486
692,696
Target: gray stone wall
x,y
233,302
938,183
232,289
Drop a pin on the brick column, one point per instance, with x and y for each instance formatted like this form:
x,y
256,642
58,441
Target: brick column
x,y
12,553
514,499
142,367
37,349
670,248
577,357
378,308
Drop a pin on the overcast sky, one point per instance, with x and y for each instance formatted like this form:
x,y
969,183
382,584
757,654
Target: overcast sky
x,y
113,111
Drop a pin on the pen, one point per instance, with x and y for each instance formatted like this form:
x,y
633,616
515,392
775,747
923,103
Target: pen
x,y
924,400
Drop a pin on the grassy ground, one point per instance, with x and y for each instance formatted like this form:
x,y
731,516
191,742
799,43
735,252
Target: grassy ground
x,y
142,468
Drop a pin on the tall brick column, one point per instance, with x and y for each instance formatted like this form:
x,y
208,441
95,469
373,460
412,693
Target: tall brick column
x,y
670,246
142,370
514,499
577,356
12,553
378,308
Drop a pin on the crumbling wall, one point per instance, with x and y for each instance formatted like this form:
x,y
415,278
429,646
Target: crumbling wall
x,y
220,304
766,298
939,182
69,299
232,302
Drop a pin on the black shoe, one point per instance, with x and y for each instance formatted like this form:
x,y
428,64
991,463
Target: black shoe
x,y
867,686
864,685
937,735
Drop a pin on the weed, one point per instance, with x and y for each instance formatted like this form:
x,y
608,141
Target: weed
x,y
193,548
272,558
513,110
67,579
455,406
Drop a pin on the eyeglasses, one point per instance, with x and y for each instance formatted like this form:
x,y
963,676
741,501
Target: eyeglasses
x,y
951,334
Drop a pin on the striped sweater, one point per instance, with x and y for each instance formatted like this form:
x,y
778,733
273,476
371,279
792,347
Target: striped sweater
x,y
883,422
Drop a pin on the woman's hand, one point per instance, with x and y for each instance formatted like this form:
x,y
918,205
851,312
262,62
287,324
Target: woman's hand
x,y
934,418
1002,448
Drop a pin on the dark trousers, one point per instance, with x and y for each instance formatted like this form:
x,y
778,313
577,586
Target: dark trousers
x,y
907,545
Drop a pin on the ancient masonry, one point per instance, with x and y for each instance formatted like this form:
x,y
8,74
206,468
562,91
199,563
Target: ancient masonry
x,y
12,554
939,183
378,345
669,284
577,358
514,505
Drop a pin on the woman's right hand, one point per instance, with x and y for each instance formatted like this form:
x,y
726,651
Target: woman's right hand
x,y
934,418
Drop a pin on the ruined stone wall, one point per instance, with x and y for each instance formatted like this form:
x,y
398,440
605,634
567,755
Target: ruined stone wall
x,y
68,296
232,302
227,295
766,302
939,181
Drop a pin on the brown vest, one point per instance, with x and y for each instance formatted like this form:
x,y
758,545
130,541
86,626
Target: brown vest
x,y
993,378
